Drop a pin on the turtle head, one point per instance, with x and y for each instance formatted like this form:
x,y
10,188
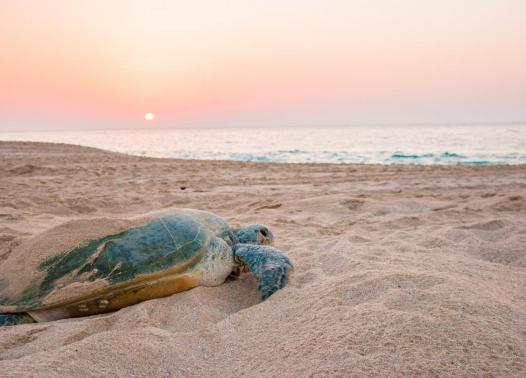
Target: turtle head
x,y
254,234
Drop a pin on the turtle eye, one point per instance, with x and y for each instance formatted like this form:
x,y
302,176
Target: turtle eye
x,y
264,232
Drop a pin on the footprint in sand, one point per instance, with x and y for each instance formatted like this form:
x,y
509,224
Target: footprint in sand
x,y
491,225
352,204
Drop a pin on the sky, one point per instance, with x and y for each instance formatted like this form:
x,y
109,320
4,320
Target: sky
x,y
67,65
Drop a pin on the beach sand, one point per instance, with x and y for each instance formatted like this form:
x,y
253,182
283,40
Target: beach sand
x,y
400,270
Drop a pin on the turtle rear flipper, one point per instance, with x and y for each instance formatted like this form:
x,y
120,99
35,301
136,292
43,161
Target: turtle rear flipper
x,y
15,319
268,264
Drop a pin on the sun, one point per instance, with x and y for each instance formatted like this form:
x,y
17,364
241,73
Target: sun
x,y
149,116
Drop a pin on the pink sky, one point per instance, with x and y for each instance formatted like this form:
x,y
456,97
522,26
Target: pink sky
x,y
103,64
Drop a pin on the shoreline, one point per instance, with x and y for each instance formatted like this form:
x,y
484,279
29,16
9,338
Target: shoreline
x,y
311,164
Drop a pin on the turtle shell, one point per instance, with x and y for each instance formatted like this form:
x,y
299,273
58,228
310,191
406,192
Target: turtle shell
x,y
91,266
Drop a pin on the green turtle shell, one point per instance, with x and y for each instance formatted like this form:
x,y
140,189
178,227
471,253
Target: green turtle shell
x,y
106,263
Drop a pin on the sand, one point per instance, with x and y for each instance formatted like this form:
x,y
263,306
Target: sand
x,y
400,270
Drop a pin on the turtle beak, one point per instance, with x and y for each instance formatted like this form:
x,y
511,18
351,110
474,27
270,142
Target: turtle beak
x,y
270,238
267,238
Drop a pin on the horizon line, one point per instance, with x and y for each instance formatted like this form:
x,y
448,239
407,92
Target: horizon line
x,y
334,125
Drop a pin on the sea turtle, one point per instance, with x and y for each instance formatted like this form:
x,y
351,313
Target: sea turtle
x,y
87,267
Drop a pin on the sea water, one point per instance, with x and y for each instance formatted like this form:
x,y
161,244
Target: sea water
x,y
425,144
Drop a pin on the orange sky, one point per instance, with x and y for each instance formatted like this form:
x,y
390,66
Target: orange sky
x,y
103,64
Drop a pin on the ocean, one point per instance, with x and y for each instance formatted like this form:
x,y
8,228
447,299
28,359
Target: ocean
x,y
425,144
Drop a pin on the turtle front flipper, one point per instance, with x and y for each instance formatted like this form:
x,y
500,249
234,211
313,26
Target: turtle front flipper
x,y
15,319
268,264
